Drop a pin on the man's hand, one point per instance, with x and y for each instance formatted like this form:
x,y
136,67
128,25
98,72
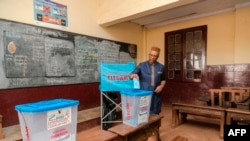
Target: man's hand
x,y
133,75
158,89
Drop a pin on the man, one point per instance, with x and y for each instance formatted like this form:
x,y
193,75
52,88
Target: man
x,y
151,76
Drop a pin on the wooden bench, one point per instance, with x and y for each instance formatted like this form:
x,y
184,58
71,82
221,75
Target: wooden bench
x,y
239,115
235,96
140,132
96,134
246,89
1,127
181,110
243,103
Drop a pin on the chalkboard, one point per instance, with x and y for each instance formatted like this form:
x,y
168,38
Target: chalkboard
x,y
24,55
86,58
36,56
59,56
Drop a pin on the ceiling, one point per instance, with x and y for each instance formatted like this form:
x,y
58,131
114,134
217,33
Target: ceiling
x,y
198,9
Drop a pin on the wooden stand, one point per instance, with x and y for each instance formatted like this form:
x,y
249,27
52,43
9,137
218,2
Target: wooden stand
x,y
97,134
142,132
1,129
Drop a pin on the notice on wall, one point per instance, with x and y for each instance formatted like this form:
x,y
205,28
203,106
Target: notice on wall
x,y
50,14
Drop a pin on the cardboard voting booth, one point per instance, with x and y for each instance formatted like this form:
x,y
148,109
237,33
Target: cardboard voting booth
x,y
115,78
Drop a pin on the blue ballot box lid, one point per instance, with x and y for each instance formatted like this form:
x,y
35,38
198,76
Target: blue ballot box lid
x,y
136,92
46,105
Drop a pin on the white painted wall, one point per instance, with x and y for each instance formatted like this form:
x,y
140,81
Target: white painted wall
x,y
82,18
228,40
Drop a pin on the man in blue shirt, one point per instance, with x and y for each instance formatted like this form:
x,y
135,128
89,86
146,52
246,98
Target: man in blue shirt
x,y
151,76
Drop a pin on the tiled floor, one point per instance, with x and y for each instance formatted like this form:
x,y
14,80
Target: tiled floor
x,y
195,129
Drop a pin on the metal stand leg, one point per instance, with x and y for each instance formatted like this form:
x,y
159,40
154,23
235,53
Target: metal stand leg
x,y
104,115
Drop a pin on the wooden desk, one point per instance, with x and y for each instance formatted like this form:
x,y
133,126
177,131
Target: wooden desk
x,y
181,110
221,94
140,132
237,114
96,134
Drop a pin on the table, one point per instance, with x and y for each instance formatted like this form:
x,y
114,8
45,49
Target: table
x,y
140,132
96,134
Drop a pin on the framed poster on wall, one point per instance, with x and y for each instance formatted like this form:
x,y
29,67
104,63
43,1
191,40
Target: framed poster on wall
x,y
50,14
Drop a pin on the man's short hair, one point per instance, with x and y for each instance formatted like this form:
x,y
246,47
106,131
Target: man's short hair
x,y
156,49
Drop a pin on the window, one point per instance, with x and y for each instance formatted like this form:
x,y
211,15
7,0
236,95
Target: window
x,y
186,54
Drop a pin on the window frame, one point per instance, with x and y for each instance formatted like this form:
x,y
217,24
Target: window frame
x,y
179,60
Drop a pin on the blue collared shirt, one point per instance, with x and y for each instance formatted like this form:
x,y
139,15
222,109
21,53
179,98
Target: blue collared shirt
x,y
144,71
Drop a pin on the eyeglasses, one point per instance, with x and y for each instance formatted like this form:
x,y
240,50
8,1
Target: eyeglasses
x,y
154,56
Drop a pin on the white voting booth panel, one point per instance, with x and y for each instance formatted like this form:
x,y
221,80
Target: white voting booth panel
x,y
113,79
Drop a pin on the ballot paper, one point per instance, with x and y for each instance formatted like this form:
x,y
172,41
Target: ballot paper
x,y
136,83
